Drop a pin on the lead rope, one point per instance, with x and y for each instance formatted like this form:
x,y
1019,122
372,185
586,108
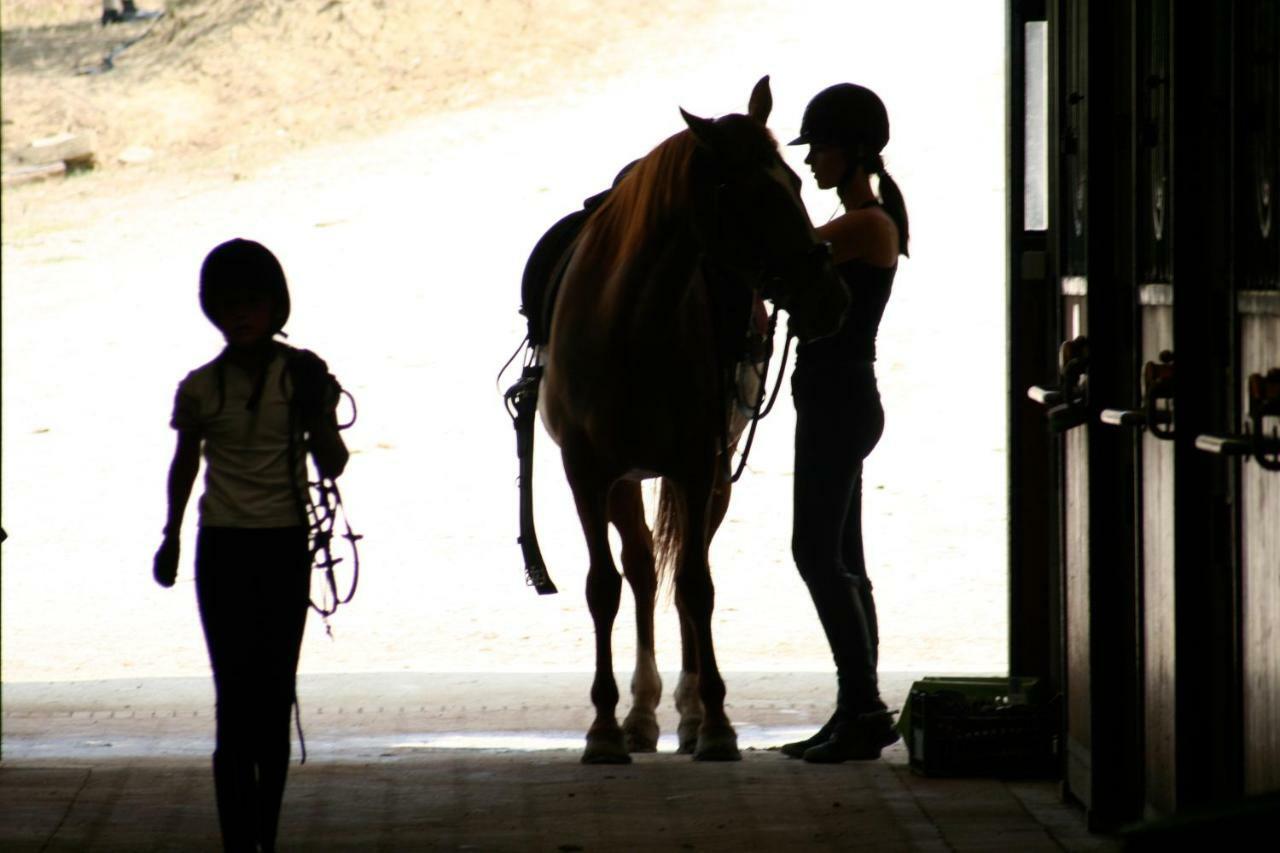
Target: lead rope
x,y
324,505
297,721
759,410
321,512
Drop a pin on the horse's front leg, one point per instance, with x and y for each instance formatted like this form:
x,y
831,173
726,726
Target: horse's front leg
x,y
605,743
717,741
688,702
626,511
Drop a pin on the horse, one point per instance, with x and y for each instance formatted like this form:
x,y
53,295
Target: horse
x,y
633,387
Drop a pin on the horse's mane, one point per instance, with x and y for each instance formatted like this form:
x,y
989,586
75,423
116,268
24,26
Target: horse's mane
x,y
636,209
660,185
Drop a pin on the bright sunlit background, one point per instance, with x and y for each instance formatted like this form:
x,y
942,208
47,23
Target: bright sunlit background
x,y
403,232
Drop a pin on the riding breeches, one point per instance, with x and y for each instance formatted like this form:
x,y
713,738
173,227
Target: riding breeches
x,y
839,420
253,589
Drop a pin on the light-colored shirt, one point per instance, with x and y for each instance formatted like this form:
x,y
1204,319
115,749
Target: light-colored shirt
x,y
246,452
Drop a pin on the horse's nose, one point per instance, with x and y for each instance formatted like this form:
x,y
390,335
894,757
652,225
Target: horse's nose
x,y
819,309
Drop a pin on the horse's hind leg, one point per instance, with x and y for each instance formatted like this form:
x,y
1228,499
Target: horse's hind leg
x,y
626,511
717,741
605,744
688,705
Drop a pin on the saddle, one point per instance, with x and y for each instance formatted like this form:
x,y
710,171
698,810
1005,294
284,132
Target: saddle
x,y
543,271
545,268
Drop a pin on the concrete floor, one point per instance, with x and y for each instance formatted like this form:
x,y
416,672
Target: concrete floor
x,y
490,762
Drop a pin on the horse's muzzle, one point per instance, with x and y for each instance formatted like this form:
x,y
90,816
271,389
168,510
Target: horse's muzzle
x,y
817,307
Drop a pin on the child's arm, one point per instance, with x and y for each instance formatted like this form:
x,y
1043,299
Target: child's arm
x,y
316,394
182,477
326,445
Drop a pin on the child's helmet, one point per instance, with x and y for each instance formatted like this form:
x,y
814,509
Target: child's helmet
x,y
244,265
845,115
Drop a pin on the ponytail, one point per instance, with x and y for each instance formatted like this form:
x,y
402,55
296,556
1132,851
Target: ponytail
x,y
890,195
891,198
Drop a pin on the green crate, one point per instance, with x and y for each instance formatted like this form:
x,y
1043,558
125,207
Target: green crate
x,y
974,726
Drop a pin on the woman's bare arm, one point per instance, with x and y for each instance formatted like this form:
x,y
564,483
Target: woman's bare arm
x,y
862,235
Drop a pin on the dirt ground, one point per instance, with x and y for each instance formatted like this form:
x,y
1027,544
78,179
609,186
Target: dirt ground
x,y
239,83
401,159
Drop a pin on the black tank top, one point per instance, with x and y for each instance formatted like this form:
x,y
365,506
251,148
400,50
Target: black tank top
x,y
855,342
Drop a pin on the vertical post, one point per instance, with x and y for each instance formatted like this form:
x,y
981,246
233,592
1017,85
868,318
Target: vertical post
x,y
1031,334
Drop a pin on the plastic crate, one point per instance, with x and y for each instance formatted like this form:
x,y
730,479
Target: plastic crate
x,y
981,727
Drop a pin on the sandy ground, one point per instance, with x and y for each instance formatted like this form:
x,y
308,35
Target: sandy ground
x,y
404,248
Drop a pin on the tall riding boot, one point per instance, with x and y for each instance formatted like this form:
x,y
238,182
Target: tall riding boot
x,y
862,726
844,621
863,588
235,791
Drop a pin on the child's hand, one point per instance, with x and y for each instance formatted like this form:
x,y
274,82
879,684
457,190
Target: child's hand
x,y
165,567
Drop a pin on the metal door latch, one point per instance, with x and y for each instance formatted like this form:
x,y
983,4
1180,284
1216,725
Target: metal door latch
x,y
1156,413
1068,402
1261,439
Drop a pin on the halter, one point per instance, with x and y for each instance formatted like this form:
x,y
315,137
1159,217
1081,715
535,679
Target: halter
x,y
754,413
770,276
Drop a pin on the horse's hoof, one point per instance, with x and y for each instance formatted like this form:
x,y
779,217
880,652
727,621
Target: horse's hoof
x,y
607,748
719,745
717,751
605,755
640,732
688,735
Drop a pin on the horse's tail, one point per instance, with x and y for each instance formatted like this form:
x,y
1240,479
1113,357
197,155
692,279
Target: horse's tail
x,y
668,530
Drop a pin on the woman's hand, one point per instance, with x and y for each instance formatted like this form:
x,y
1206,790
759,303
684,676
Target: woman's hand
x,y
165,566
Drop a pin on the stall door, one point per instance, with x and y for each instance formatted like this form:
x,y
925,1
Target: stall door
x,y
1153,218
1255,448
1072,232
1258,158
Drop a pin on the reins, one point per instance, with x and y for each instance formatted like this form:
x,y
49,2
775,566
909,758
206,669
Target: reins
x,y
321,504
756,411
321,511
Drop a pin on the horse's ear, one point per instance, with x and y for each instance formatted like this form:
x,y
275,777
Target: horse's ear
x,y
761,102
703,129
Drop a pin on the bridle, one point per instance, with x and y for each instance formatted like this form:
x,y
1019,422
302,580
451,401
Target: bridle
x,y
769,276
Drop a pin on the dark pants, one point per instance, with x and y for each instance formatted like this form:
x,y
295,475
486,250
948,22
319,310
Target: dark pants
x,y
253,588
839,421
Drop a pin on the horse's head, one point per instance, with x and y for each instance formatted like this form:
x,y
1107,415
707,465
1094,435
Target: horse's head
x,y
751,219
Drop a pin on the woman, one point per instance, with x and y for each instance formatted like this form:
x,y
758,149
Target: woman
x,y
838,414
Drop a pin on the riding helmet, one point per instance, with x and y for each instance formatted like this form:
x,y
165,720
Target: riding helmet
x,y
244,265
846,115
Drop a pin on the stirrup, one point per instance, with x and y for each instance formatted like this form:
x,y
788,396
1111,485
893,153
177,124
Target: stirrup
x,y
522,404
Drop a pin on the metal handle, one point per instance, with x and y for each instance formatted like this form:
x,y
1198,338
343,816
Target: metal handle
x,y
1068,402
1123,417
1256,443
1156,414
1045,396
1224,445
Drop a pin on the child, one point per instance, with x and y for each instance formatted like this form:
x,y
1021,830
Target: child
x,y
255,410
